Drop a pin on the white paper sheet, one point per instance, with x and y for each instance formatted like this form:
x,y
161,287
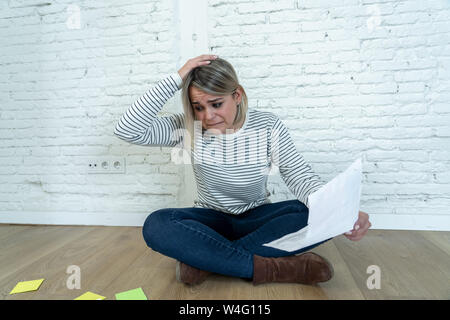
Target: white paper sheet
x,y
333,210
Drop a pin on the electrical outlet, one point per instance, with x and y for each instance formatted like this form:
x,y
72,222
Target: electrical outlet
x,y
106,165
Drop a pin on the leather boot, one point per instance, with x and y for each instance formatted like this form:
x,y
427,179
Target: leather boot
x,y
307,268
190,275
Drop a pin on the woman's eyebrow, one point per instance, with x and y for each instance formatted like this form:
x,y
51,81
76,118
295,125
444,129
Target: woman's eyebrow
x,y
213,100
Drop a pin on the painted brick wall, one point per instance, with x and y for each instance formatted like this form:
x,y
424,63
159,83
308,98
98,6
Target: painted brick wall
x,y
350,78
69,70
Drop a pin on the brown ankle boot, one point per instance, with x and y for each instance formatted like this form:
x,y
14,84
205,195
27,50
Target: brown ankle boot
x,y
190,275
307,268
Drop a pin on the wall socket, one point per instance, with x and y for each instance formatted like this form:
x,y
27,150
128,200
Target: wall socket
x,y
106,165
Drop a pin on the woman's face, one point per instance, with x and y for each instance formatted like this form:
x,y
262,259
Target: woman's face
x,y
215,112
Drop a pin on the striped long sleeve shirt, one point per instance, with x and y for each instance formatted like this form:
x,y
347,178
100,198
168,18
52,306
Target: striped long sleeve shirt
x,y
231,170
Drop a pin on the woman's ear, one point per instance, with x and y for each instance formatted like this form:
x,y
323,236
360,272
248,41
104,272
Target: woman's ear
x,y
237,95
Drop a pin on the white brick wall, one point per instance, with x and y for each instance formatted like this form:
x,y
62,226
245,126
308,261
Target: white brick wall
x,y
349,78
61,92
353,78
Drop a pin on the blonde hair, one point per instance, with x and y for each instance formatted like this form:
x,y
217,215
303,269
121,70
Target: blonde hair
x,y
217,78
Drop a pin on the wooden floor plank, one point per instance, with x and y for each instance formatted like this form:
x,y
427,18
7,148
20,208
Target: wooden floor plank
x,y
440,239
413,264
104,261
410,265
342,286
52,265
104,274
6,231
22,249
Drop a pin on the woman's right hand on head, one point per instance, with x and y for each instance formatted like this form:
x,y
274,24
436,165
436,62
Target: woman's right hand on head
x,y
202,60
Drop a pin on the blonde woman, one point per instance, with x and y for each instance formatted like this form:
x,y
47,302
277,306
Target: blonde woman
x,y
231,148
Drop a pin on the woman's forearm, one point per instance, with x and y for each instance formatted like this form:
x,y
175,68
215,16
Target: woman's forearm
x,y
140,123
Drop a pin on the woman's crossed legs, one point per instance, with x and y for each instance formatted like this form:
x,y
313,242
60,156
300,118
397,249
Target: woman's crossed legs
x,y
223,243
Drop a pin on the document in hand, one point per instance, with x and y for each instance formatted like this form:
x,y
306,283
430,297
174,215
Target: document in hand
x,y
333,210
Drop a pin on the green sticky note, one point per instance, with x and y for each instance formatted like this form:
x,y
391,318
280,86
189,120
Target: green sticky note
x,y
135,294
26,286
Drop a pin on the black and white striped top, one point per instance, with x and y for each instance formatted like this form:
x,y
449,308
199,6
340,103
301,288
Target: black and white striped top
x,y
231,170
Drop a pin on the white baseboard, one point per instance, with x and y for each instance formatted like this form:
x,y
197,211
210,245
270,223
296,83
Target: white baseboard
x,y
74,218
379,221
410,222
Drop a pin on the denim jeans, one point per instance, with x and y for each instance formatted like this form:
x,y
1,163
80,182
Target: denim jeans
x,y
224,243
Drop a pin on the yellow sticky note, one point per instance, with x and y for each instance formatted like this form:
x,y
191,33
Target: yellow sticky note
x,y
26,286
90,296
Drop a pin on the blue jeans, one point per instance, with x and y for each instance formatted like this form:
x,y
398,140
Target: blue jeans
x,y
224,243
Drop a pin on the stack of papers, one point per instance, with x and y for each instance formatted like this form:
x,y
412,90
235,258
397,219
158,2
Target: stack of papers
x,y
333,210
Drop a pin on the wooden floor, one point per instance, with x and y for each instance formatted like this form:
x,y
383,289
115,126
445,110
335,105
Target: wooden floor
x,y
413,265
